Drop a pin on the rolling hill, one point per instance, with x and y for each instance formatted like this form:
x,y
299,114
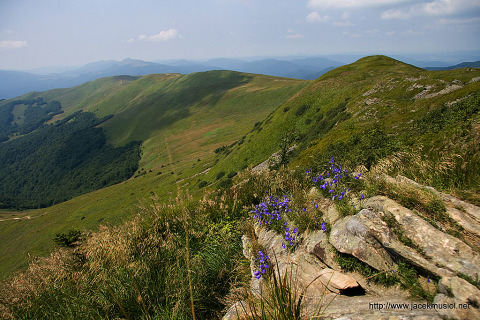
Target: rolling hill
x,y
15,83
199,130
180,120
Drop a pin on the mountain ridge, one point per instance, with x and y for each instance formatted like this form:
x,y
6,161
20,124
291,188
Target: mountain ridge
x,y
372,107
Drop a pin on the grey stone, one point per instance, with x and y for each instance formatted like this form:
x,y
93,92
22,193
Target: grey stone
x,y
461,289
367,307
465,214
453,308
247,246
352,235
317,244
444,250
367,237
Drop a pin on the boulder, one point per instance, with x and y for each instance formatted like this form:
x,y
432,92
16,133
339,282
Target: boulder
x,y
362,236
367,237
453,308
338,282
316,244
376,308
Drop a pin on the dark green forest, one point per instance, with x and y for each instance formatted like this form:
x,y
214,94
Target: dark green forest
x,y
59,161
32,114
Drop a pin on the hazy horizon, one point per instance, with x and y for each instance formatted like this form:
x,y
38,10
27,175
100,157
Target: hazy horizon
x,y
49,33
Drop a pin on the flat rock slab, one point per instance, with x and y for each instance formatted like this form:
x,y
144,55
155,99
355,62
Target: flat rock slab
x,y
453,308
465,214
376,308
464,291
442,249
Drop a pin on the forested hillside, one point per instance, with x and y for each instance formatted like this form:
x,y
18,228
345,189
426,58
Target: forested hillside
x,y
61,161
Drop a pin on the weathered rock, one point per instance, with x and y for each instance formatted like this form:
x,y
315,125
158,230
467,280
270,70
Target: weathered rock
x,y
300,266
338,282
446,251
247,246
315,274
317,244
453,308
367,237
375,308
270,240
332,215
461,289
354,236
314,193
465,214
408,254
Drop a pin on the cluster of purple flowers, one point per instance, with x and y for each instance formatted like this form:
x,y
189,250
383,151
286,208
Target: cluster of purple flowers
x,y
290,236
271,209
262,264
324,224
331,186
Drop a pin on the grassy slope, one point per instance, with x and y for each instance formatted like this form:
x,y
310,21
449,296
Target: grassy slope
x,y
381,92
216,108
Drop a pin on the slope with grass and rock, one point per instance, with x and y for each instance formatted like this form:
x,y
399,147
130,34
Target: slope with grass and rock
x,y
369,202
171,124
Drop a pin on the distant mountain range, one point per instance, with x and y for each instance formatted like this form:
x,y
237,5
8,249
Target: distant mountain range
x,y
16,83
475,64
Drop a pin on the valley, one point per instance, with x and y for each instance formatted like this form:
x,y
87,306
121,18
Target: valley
x,y
199,135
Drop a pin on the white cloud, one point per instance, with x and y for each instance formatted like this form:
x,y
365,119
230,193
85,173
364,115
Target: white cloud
x,y
390,33
458,21
315,17
343,24
161,36
345,15
354,3
372,31
295,36
411,32
395,14
11,44
441,7
433,8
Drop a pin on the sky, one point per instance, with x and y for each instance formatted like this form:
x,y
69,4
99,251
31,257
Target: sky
x,y
40,33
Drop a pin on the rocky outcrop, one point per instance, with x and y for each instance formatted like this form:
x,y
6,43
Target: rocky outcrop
x,y
381,235
465,214
444,250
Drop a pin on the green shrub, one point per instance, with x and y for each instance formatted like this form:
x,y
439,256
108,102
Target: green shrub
x,y
301,110
68,239
220,175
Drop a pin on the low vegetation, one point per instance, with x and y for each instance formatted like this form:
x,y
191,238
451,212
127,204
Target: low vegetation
x,y
179,255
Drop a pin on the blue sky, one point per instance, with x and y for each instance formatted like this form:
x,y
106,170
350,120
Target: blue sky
x,y
36,33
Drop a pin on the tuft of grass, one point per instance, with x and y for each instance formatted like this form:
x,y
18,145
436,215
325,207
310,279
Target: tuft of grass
x,y
469,279
138,269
